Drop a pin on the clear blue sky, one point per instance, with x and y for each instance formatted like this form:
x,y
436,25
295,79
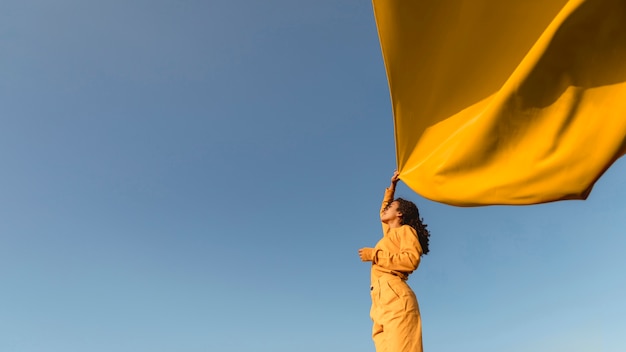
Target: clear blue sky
x,y
198,176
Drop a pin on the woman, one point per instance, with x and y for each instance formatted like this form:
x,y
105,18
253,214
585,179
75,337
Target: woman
x,y
395,313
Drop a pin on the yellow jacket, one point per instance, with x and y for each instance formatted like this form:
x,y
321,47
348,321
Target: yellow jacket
x,y
399,251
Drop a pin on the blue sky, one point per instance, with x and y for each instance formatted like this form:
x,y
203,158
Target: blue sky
x,y
199,175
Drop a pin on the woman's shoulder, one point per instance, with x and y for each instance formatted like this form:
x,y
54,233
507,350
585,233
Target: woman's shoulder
x,y
406,229
407,232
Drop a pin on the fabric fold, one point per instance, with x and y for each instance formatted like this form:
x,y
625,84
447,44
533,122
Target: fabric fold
x,y
516,102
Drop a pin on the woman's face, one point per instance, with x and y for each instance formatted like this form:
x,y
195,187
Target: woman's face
x,y
391,212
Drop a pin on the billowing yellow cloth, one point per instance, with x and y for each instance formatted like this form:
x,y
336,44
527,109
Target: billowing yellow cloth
x,y
505,102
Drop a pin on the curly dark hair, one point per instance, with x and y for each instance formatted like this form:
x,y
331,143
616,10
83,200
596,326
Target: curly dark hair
x,y
411,217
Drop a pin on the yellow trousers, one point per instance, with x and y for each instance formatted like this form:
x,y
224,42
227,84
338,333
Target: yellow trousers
x,y
396,316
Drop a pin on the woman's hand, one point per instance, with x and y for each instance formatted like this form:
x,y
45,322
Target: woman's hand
x,y
395,178
366,254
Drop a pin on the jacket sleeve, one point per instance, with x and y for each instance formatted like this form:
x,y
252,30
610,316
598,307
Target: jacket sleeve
x,y
388,198
408,257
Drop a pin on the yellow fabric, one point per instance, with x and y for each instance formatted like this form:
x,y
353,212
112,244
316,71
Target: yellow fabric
x,y
397,325
505,102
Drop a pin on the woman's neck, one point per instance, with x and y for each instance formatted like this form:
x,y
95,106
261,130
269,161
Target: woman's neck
x,y
394,223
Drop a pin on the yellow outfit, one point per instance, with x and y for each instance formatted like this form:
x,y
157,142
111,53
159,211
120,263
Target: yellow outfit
x,y
395,313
